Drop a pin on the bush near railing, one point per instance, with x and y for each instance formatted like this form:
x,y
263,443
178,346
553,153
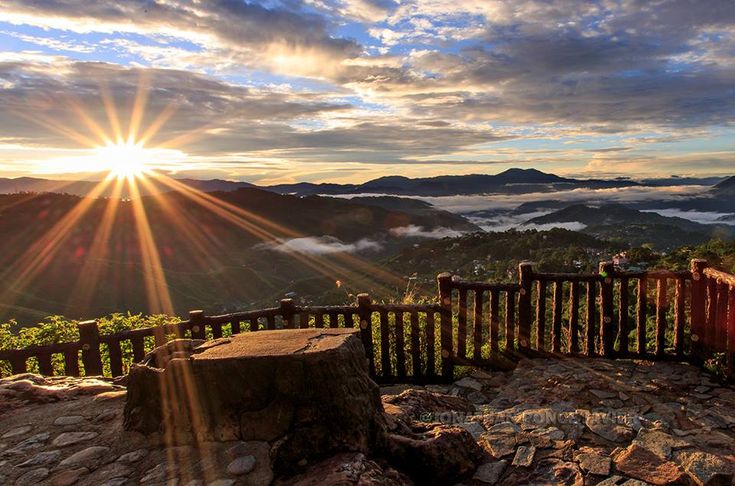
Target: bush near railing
x,y
683,315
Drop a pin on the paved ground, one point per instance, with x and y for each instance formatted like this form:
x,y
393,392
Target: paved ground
x,y
575,421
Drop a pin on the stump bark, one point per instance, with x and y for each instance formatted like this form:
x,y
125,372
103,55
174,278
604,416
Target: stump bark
x,y
307,392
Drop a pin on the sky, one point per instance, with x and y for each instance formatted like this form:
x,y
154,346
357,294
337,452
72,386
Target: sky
x,y
349,90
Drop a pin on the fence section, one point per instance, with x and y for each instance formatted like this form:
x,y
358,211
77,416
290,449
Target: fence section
x,y
688,316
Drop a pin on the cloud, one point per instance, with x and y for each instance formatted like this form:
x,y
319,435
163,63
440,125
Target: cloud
x,y
279,84
255,34
571,225
703,217
414,231
321,245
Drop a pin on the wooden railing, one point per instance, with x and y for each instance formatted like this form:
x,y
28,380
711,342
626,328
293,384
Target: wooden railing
x,y
686,316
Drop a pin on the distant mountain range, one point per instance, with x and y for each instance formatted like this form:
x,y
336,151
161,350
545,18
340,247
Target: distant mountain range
x,y
622,223
511,181
84,188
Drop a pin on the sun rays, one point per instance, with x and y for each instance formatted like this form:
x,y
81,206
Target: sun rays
x,y
132,167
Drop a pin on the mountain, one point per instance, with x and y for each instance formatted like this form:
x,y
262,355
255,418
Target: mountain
x,y
726,187
84,188
263,246
514,181
616,221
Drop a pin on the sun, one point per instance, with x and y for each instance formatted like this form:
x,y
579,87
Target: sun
x,y
124,160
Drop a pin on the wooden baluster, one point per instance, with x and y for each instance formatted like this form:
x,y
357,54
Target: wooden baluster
x,y
385,346
18,363
304,320
430,344
197,321
444,282
159,336
365,314
510,321
270,322
115,352
525,271
477,330
589,329
44,364
494,320
731,332
216,330
71,362
558,307
138,348
333,320
623,317
320,319
235,326
415,346
679,316
662,307
288,311
709,330
400,346
462,325
641,322
607,333
574,317
89,337
721,317
698,309
541,316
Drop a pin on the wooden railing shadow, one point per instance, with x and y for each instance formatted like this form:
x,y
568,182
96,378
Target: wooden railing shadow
x,y
608,314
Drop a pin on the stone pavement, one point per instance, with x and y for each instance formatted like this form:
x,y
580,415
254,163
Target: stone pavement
x,y
593,421
571,421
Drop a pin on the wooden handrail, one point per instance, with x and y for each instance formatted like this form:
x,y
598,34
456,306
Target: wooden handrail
x,y
399,339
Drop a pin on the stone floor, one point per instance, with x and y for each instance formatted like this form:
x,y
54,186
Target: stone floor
x,y
601,422
573,421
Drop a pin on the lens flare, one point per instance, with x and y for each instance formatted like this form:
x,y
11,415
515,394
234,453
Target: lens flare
x,y
125,160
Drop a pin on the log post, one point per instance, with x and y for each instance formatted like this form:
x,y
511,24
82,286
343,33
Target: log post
x,y
365,313
89,337
574,317
444,281
607,327
288,311
698,306
541,315
662,308
525,272
623,310
196,323
558,308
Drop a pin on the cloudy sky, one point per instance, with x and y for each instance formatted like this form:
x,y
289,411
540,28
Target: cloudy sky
x,y
348,90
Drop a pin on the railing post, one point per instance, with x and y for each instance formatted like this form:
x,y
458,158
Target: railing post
x,y
288,310
196,324
525,272
698,306
444,281
365,314
607,330
89,337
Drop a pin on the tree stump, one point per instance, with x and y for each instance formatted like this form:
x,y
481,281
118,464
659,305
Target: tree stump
x,y
307,392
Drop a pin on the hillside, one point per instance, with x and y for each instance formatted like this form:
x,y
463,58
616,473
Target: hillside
x,y
619,222
495,256
209,260
726,187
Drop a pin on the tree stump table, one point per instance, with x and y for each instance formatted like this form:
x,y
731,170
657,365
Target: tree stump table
x,y
306,392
